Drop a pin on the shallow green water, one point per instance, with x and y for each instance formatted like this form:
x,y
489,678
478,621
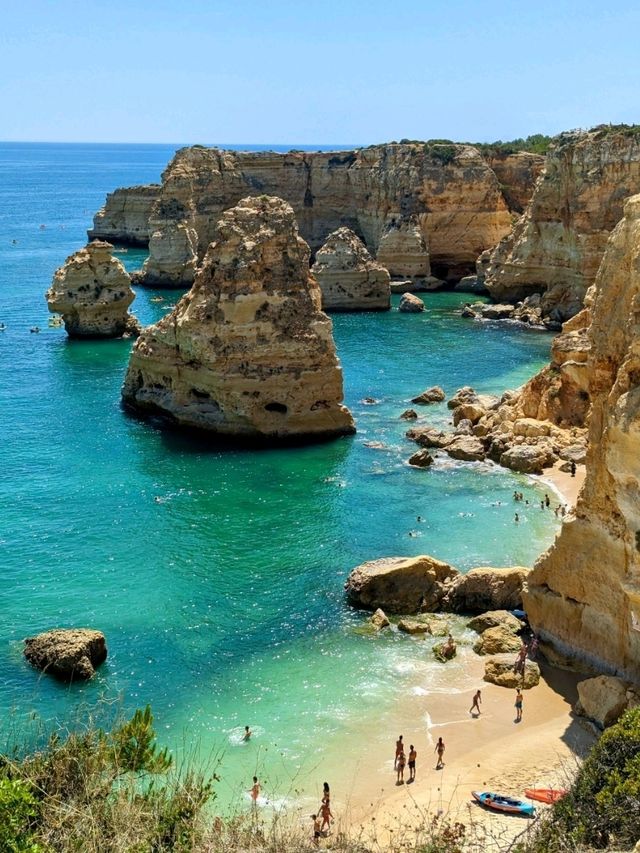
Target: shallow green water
x,y
218,577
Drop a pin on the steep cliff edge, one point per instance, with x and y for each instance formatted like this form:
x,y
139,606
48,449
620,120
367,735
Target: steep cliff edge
x,y
584,593
124,218
556,247
447,192
247,352
517,174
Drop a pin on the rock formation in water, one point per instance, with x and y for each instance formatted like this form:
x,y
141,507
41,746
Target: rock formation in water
x,y
556,247
584,593
349,278
124,218
67,653
92,291
447,192
173,249
247,352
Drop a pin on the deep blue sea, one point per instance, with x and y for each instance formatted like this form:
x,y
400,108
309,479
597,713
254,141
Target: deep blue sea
x,y
218,577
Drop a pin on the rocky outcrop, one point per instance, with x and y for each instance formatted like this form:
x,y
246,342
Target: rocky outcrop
x,y
604,699
410,304
497,640
435,394
584,593
517,175
556,247
402,249
500,670
494,618
124,219
436,206
424,584
173,251
349,278
400,584
421,459
92,291
69,654
247,353
379,620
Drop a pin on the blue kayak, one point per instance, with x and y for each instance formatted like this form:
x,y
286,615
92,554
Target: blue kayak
x,y
505,805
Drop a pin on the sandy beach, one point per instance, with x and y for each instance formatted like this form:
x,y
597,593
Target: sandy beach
x,y
564,485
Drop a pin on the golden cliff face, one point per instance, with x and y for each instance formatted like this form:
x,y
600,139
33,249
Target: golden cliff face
x,y
557,245
125,215
517,174
448,192
247,352
584,593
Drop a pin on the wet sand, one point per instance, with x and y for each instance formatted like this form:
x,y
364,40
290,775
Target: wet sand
x,y
563,484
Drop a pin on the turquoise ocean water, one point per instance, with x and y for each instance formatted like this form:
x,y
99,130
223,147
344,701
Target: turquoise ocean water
x,y
218,576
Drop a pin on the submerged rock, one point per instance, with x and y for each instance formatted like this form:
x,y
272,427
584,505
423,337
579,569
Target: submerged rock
x,y
409,415
92,291
69,654
349,278
421,459
247,352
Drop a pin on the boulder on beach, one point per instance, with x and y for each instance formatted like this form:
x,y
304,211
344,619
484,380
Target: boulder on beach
x,y
497,640
400,584
487,588
493,618
500,670
68,653
604,699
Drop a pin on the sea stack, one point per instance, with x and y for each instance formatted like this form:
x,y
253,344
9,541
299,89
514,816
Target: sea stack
x,y
247,353
349,278
92,291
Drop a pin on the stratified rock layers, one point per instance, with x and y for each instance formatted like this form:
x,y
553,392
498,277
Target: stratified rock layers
x,y
349,279
557,245
124,218
584,593
448,192
92,291
247,352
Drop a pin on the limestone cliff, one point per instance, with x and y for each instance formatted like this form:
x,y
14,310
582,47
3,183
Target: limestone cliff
x,y
124,218
447,192
557,245
584,593
247,352
92,291
517,175
349,279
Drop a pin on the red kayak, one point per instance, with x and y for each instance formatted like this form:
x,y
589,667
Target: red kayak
x,y
545,795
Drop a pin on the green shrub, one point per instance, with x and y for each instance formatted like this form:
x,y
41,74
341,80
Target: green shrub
x,y
18,808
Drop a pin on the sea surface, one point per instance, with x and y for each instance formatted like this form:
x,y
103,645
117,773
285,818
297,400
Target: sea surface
x,y
218,577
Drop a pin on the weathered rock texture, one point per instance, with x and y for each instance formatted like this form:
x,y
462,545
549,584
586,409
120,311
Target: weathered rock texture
x,y
349,278
500,670
436,206
247,352
517,174
556,247
423,584
92,291
604,699
68,654
584,593
125,216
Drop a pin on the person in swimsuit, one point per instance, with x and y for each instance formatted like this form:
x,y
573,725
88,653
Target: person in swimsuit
x,y
327,817
399,751
326,793
412,763
401,761
440,750
255,792
247,733
518,706
475,705
316,829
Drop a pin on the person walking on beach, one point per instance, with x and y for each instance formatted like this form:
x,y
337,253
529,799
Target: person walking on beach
x,y
400,769
440,750
412,763
475,705
518,705
399,751
316,830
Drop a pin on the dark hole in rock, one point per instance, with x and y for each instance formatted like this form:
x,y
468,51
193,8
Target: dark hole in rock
x,y
201,395
276,407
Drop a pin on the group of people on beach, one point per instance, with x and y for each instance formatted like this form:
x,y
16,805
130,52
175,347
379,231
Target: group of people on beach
x,y
545,503
400,761
323,819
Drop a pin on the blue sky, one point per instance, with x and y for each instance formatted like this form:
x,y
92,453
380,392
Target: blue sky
x,y
313,72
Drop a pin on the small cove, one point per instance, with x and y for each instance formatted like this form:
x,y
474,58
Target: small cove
x,y
217,576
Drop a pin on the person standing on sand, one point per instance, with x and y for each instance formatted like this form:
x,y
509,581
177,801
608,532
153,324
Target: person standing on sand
x,y
316,830
399,751
573,468
475,705
412,763
518,705
327,816
440,750
400,769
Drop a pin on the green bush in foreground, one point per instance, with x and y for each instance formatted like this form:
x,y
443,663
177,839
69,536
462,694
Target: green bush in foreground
x,y
17,809
602,809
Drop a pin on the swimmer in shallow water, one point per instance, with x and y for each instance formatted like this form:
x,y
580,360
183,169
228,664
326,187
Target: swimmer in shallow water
x,y
247,733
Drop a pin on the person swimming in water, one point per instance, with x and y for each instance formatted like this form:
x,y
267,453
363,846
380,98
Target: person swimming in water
x,y
247,733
